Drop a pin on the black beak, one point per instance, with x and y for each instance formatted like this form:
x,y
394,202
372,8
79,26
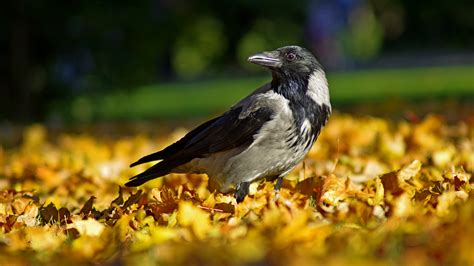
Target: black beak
x,y
268,59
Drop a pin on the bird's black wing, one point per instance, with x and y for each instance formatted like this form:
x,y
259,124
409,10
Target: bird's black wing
x,y
219,134
175,147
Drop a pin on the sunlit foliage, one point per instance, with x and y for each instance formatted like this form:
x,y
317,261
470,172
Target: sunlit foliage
x,y
370,192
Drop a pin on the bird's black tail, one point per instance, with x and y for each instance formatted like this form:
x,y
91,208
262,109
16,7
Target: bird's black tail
x,y
149,158
139,180
172,156
160,169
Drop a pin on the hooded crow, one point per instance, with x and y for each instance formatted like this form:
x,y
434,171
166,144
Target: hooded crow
x,y
265,135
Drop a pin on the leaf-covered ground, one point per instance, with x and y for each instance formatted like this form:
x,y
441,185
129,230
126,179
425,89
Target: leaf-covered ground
x,y
371,192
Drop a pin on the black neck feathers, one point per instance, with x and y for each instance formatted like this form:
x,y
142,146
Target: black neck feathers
x,y
294,88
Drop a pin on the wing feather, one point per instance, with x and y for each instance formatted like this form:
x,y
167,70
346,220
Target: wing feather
x,y
219,134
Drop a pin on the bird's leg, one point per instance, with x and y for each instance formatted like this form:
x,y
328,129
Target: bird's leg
x,y
277,188
242,191
278,184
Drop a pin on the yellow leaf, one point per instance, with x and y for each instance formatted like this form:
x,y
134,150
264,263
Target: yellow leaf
x,y
191,216
89,227
44,238
90,246
29,217
409,171
445,201
379,194
162,234
403,206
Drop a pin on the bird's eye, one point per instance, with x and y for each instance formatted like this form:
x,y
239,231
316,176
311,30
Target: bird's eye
x,y
290,56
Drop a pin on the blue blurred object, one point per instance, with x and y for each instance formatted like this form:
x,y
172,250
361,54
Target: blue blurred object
x,y
327,22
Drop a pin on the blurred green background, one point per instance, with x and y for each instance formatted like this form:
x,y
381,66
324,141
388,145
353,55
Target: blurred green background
x,y
89,61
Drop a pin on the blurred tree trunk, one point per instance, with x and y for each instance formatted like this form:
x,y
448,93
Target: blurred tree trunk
x,y
17,96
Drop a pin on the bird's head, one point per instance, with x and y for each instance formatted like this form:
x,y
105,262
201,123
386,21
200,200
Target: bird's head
x,y
288,60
